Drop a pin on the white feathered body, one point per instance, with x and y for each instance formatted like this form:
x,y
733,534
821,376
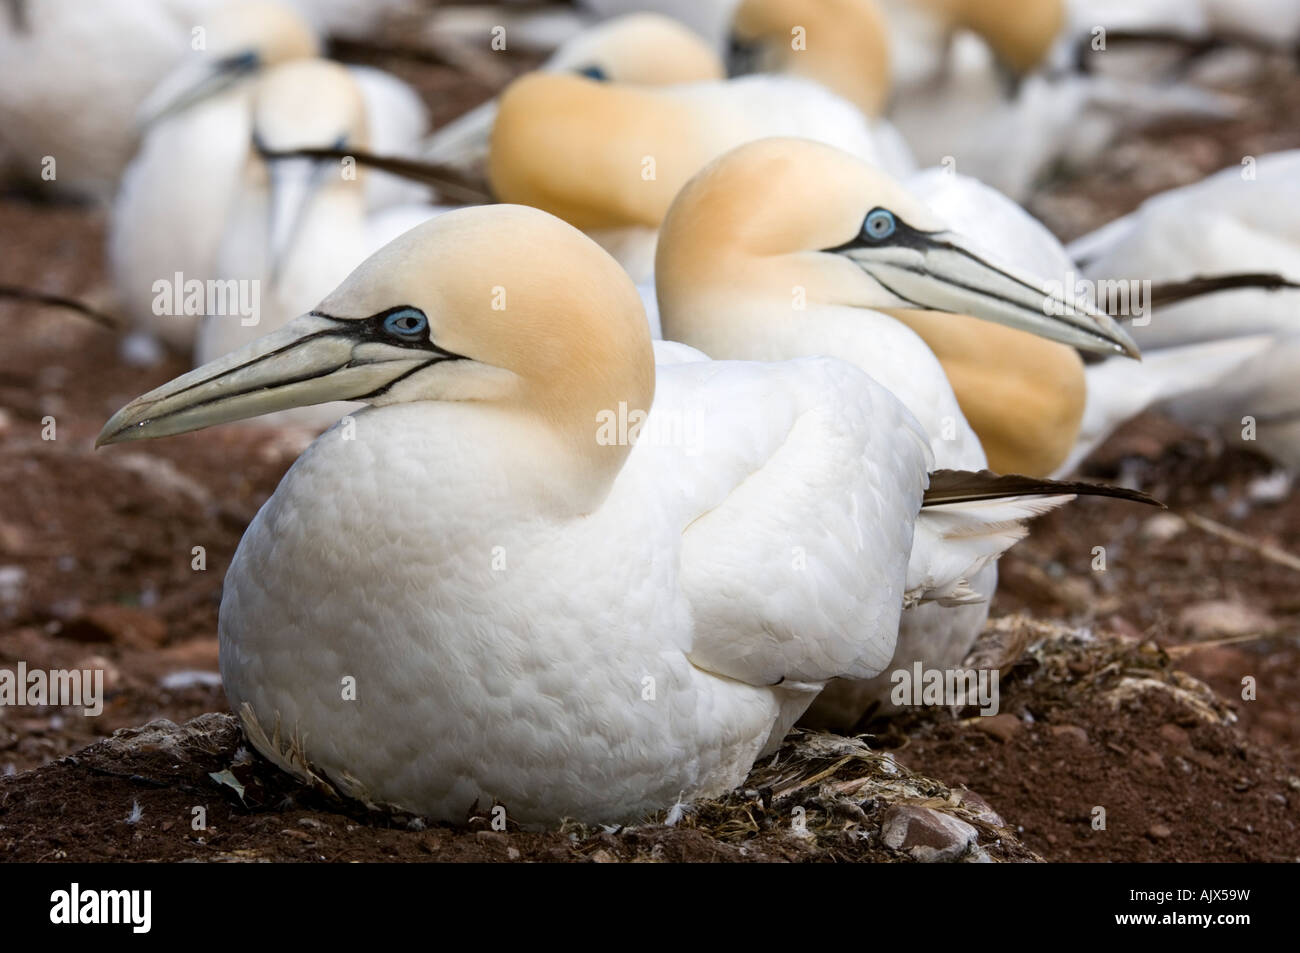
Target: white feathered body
x,y
597,665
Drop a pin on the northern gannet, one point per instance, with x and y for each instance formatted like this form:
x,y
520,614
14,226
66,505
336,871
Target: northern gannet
x,y
645,49
482,591
1228,360
609,158
842,44
171,207
170,210
786,248
76,75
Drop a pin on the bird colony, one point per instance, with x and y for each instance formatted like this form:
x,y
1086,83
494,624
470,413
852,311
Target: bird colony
x,y
686,391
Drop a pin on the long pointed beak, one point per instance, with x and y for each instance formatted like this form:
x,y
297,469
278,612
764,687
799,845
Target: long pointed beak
x,y
193,83
939,271
313,359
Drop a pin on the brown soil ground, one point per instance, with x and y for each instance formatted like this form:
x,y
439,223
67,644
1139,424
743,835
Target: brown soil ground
x,y
96,558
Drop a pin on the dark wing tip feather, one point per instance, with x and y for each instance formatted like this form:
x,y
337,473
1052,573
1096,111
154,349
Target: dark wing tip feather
x,y
965,486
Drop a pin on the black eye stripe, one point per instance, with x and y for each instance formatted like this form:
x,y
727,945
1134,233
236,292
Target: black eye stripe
x,y
373,329
901,235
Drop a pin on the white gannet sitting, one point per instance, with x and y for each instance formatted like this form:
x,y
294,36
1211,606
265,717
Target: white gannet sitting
x,y
639,48
1228,360
786,248
298,226
610,158
530,610
171,208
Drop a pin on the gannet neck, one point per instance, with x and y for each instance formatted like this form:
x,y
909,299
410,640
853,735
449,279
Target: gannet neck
x,y
842,44
598,155
1022,394
643,48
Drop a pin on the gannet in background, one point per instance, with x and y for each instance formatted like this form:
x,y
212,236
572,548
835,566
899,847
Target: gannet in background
x,y
844,46
787,248
708,19
609,158
298,226
175,197
1223,357
530,610
171,208
952,102
639,48
74,76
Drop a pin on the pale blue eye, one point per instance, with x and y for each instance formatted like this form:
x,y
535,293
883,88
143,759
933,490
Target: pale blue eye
x,y
408,324
879,225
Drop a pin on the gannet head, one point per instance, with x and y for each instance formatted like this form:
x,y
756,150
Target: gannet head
x,y
1020,32
642,48
239,39
498,304
780,215
303,104
579,149
842,44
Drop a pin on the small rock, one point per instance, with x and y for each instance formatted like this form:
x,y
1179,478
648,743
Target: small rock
x,y
1271,489
512,853
122,625
12,579
1178,737
1152,759
981,809
1159,831
930,836
1003,726
1070,733
1224,619
1163,527
602,856
492,837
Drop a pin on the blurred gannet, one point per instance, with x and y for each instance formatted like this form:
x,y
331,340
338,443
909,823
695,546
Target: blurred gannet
x,y
171,209
298,226
639,48
609,158
1229,360
74,76
787,248
844,45
531,610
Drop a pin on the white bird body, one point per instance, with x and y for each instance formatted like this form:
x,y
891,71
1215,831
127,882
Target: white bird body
x,y
170,210
74,75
